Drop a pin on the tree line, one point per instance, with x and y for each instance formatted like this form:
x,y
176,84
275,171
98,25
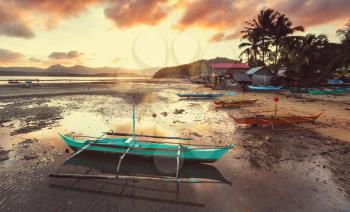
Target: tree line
x,y
268,40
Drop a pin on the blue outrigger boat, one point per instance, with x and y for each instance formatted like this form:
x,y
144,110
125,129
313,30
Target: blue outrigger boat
x,y
131,144
264,88
149,149
200,95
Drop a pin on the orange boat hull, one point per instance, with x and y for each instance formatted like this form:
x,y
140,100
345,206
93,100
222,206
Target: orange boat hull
x,y
272,120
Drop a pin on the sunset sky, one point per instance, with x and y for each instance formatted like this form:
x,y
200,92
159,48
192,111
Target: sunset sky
x,y
143,33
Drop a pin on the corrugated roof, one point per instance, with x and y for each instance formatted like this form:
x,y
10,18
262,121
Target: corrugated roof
x,y
229,65
253,70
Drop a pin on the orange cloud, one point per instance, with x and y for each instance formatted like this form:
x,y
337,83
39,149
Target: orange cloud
x,y
16,15
229,16
125,13
313,12
69,58
12,22
217,37
65,55
8,56
35,60
222,37
55,10
217,14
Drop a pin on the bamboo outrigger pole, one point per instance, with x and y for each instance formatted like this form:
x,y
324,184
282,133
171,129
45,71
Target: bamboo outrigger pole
x,y
148,136
128,177
84,147
133,119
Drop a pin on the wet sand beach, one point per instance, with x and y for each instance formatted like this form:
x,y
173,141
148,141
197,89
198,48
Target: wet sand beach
x,y
298,168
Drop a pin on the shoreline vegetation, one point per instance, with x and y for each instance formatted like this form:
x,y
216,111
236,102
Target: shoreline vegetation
x,y
268,41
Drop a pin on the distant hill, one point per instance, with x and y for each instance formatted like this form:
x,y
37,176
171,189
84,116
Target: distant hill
x,y
78,70
189,70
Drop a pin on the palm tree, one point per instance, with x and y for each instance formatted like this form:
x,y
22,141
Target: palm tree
x,y
344,35
263,26
251,46
304,54
282,27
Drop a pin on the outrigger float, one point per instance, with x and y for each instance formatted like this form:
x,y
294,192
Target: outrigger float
x,y
131,144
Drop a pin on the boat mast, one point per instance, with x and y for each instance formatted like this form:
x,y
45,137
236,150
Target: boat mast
x,y
133,119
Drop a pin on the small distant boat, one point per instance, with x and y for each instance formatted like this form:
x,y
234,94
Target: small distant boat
x,y
298,90
317,91
234,102
13,81
199,79
264,88
335,82
264,120
200,95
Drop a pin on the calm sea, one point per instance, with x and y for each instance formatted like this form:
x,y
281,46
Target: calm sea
x,y
45,79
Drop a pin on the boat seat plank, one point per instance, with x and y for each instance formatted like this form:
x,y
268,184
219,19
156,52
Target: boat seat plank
x,y
128,140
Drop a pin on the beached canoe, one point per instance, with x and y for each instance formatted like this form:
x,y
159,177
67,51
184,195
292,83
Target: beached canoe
x,y
264,120
148,149
200,95
315,91
264,88
234,102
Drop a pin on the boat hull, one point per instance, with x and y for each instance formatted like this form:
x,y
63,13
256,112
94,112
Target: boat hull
x,y
148,150
327,91
238,103
199,95
271,120
264,88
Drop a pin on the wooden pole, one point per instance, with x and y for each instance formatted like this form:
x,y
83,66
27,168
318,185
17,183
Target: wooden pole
x,y
178,160
84,147
128,177
120,160
133,119
276,109
147,136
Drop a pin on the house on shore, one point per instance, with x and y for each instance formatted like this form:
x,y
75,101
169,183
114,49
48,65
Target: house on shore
x,y
222,75
260,75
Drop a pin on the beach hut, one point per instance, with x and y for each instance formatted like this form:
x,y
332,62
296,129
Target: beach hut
x,y
225,74
260,75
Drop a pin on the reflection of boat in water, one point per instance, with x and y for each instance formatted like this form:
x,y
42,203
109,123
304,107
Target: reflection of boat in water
x,y
158,193
137,166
